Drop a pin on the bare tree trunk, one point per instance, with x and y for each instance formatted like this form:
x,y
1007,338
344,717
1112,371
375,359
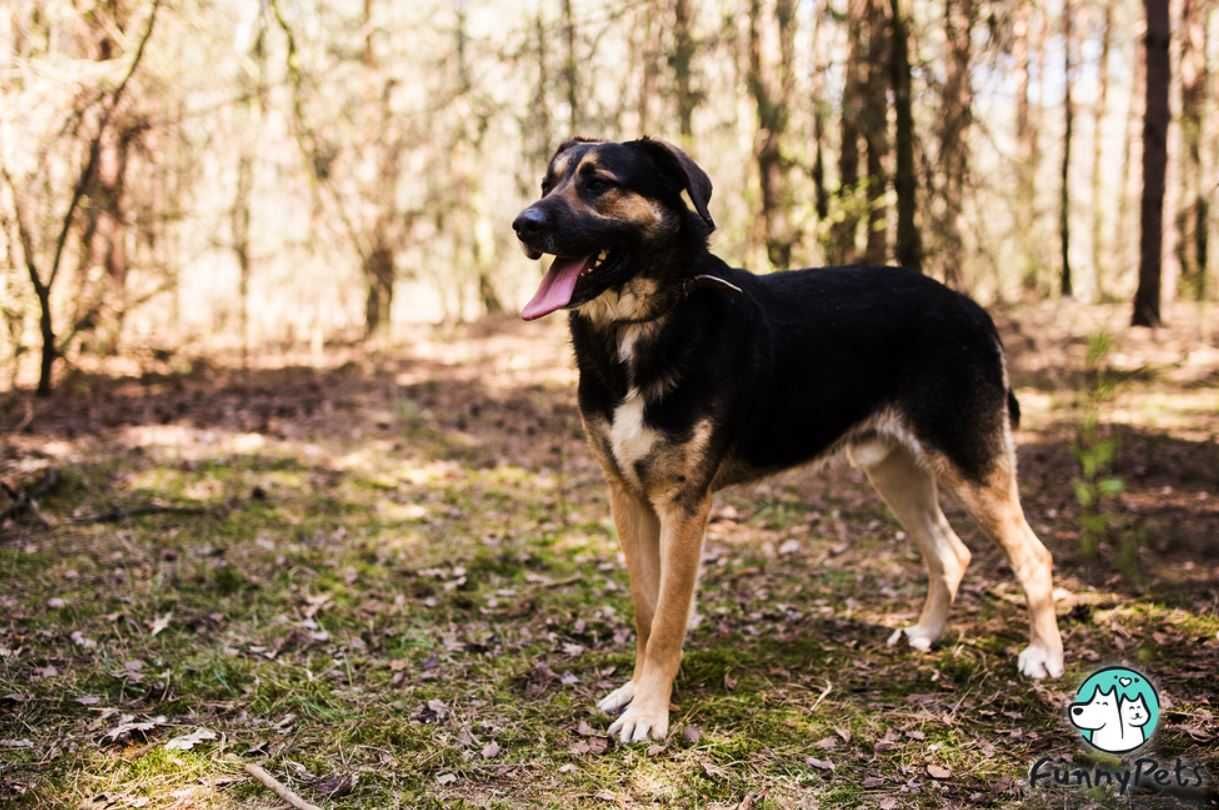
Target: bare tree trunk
x,y
909,242
1099,206
646,47
1123,233
1192,219
1064,195
379,297
876,131
570,70
239,225
1155,159
1029,37
821,195
845,230
541,104
772,110
683,57
954,143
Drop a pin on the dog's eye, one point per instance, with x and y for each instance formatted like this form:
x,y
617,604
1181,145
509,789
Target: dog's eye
x,y
597,185
545,188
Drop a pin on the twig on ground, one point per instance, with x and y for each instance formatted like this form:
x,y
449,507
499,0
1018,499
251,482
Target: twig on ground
x,y
119,513
824,693
279,787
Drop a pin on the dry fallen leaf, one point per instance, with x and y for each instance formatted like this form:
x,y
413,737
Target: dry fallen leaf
x,y
938,772
491,750
826,743
160,624
128,726
82,641
819,764
186,742
692,734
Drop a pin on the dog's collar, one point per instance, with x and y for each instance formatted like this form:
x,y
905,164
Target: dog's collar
x,y
685,290
719,280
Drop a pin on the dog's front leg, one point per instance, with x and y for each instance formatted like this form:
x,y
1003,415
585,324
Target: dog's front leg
x,y
639,535
682,522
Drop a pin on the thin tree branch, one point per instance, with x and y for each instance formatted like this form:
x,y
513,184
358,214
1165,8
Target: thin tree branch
x,y
23,235
82,182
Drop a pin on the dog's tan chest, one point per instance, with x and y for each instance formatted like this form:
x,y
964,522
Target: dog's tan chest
x,y
645,459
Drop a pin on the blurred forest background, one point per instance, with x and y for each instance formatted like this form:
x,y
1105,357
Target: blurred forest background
x,y
236,174
295,495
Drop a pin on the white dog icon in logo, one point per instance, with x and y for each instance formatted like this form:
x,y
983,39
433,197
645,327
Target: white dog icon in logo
x,y
1116,710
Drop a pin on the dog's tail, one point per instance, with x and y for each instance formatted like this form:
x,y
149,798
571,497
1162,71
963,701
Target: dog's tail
x,y
1013,408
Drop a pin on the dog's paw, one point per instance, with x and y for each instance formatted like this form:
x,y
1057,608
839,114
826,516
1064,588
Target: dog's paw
x,y
917,637
640,722
618,698
1038,661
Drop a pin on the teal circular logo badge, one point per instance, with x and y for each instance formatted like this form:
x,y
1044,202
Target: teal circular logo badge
x,y
1116,709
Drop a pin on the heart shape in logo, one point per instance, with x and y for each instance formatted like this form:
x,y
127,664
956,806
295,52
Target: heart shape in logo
x,y
1124,681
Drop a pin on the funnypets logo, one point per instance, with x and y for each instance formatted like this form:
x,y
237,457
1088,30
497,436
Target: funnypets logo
x,y
1116,710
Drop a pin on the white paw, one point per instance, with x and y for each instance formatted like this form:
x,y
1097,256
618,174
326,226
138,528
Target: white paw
x,y
917,637
1038,661
618,698
638,723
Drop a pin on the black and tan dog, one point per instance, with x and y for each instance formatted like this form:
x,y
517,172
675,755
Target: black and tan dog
x,y
694,376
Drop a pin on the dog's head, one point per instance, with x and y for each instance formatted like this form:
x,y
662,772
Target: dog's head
x,y
1098,712
606,212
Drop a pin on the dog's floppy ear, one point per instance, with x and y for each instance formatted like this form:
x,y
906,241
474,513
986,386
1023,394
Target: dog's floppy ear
x,y
688,173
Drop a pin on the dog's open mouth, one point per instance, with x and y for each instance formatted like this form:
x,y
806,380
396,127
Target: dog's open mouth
x,y
559,284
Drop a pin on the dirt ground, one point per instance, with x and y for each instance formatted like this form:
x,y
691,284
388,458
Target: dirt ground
x,y
388,576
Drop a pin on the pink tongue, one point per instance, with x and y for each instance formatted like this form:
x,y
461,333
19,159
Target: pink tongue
x,y
556,288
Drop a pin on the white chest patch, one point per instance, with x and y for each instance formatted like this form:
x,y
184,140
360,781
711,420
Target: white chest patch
x,y
630,439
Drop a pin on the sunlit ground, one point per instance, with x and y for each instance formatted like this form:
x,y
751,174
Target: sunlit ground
x,y
396,584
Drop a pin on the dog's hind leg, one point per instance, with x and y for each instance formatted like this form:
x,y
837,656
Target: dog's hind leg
x,y
639,535
994,503
910,492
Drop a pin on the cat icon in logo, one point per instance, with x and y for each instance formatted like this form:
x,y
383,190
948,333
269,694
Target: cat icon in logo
x,y
1116,709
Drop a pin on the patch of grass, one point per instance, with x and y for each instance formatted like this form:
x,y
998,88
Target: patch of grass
x,y
387,607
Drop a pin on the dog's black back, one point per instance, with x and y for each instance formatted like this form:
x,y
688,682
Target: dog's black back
x,y
788,365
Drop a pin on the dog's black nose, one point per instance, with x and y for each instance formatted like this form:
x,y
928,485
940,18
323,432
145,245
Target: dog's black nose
x,y
1077,710
530,222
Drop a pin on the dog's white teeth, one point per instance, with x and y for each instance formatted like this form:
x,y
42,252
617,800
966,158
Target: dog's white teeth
x,y
602,256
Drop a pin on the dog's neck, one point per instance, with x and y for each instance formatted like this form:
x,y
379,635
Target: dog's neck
x,y
659,285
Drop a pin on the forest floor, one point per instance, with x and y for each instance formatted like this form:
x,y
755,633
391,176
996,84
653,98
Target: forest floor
x,y
393,582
